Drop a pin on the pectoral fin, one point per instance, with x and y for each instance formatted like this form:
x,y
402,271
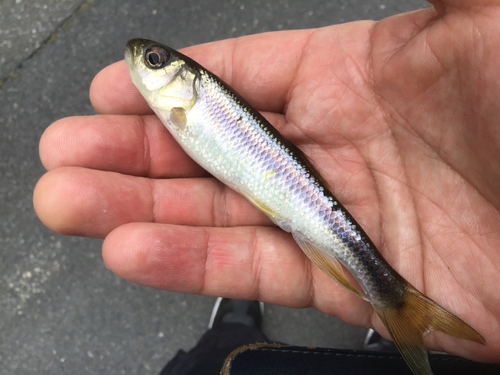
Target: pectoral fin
x,y
178,117
328,264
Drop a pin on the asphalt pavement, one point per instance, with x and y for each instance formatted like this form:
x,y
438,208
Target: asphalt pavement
x,y
61,310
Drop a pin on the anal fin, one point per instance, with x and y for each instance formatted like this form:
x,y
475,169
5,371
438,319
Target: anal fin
x,y
328,264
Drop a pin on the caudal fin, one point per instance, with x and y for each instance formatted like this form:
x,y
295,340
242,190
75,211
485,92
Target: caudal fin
x,y
416,316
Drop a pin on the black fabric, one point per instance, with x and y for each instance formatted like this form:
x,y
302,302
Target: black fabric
x,y
207,357
306,361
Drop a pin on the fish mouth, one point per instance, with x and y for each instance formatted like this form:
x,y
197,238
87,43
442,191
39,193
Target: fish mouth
x,y
134,50
128,58
137,45
138,42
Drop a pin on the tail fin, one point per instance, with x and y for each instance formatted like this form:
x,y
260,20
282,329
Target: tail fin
x,y
416,316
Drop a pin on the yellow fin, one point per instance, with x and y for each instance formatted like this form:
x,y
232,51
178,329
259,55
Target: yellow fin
x,y
273,215
413,318
270,173
326,263
178,117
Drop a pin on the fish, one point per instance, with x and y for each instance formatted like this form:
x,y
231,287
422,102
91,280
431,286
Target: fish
x,y
225,135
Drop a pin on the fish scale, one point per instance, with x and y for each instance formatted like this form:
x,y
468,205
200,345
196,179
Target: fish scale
x,y
257,155
236,144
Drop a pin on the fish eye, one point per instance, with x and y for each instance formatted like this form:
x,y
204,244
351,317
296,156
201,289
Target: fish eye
x,y
156,57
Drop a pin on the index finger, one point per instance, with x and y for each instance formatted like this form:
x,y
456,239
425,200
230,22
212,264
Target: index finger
x,y
260,67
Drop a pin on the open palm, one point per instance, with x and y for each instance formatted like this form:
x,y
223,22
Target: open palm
x,y
399,116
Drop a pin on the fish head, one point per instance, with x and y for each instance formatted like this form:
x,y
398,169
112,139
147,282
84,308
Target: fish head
x,y
162,75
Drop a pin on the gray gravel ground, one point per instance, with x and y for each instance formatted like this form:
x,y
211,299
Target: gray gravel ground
x,y
61,310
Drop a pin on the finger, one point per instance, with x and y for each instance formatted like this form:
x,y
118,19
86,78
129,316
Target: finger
x,y
260,67
86,202
251,263
124,98
136,145
463,4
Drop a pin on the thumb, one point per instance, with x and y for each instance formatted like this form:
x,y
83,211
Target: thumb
x,y
442,6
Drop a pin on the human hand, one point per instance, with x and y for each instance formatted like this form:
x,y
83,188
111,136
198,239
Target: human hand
x,y
398,115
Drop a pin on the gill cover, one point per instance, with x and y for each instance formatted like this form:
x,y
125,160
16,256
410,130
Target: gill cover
x,y
162,75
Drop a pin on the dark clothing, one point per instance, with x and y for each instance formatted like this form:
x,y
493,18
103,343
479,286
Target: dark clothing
x,y
207,357
293,360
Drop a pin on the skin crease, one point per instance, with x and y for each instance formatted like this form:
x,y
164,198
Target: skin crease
x,y
400,116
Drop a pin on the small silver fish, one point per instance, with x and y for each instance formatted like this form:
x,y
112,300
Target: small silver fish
x,y
235,143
